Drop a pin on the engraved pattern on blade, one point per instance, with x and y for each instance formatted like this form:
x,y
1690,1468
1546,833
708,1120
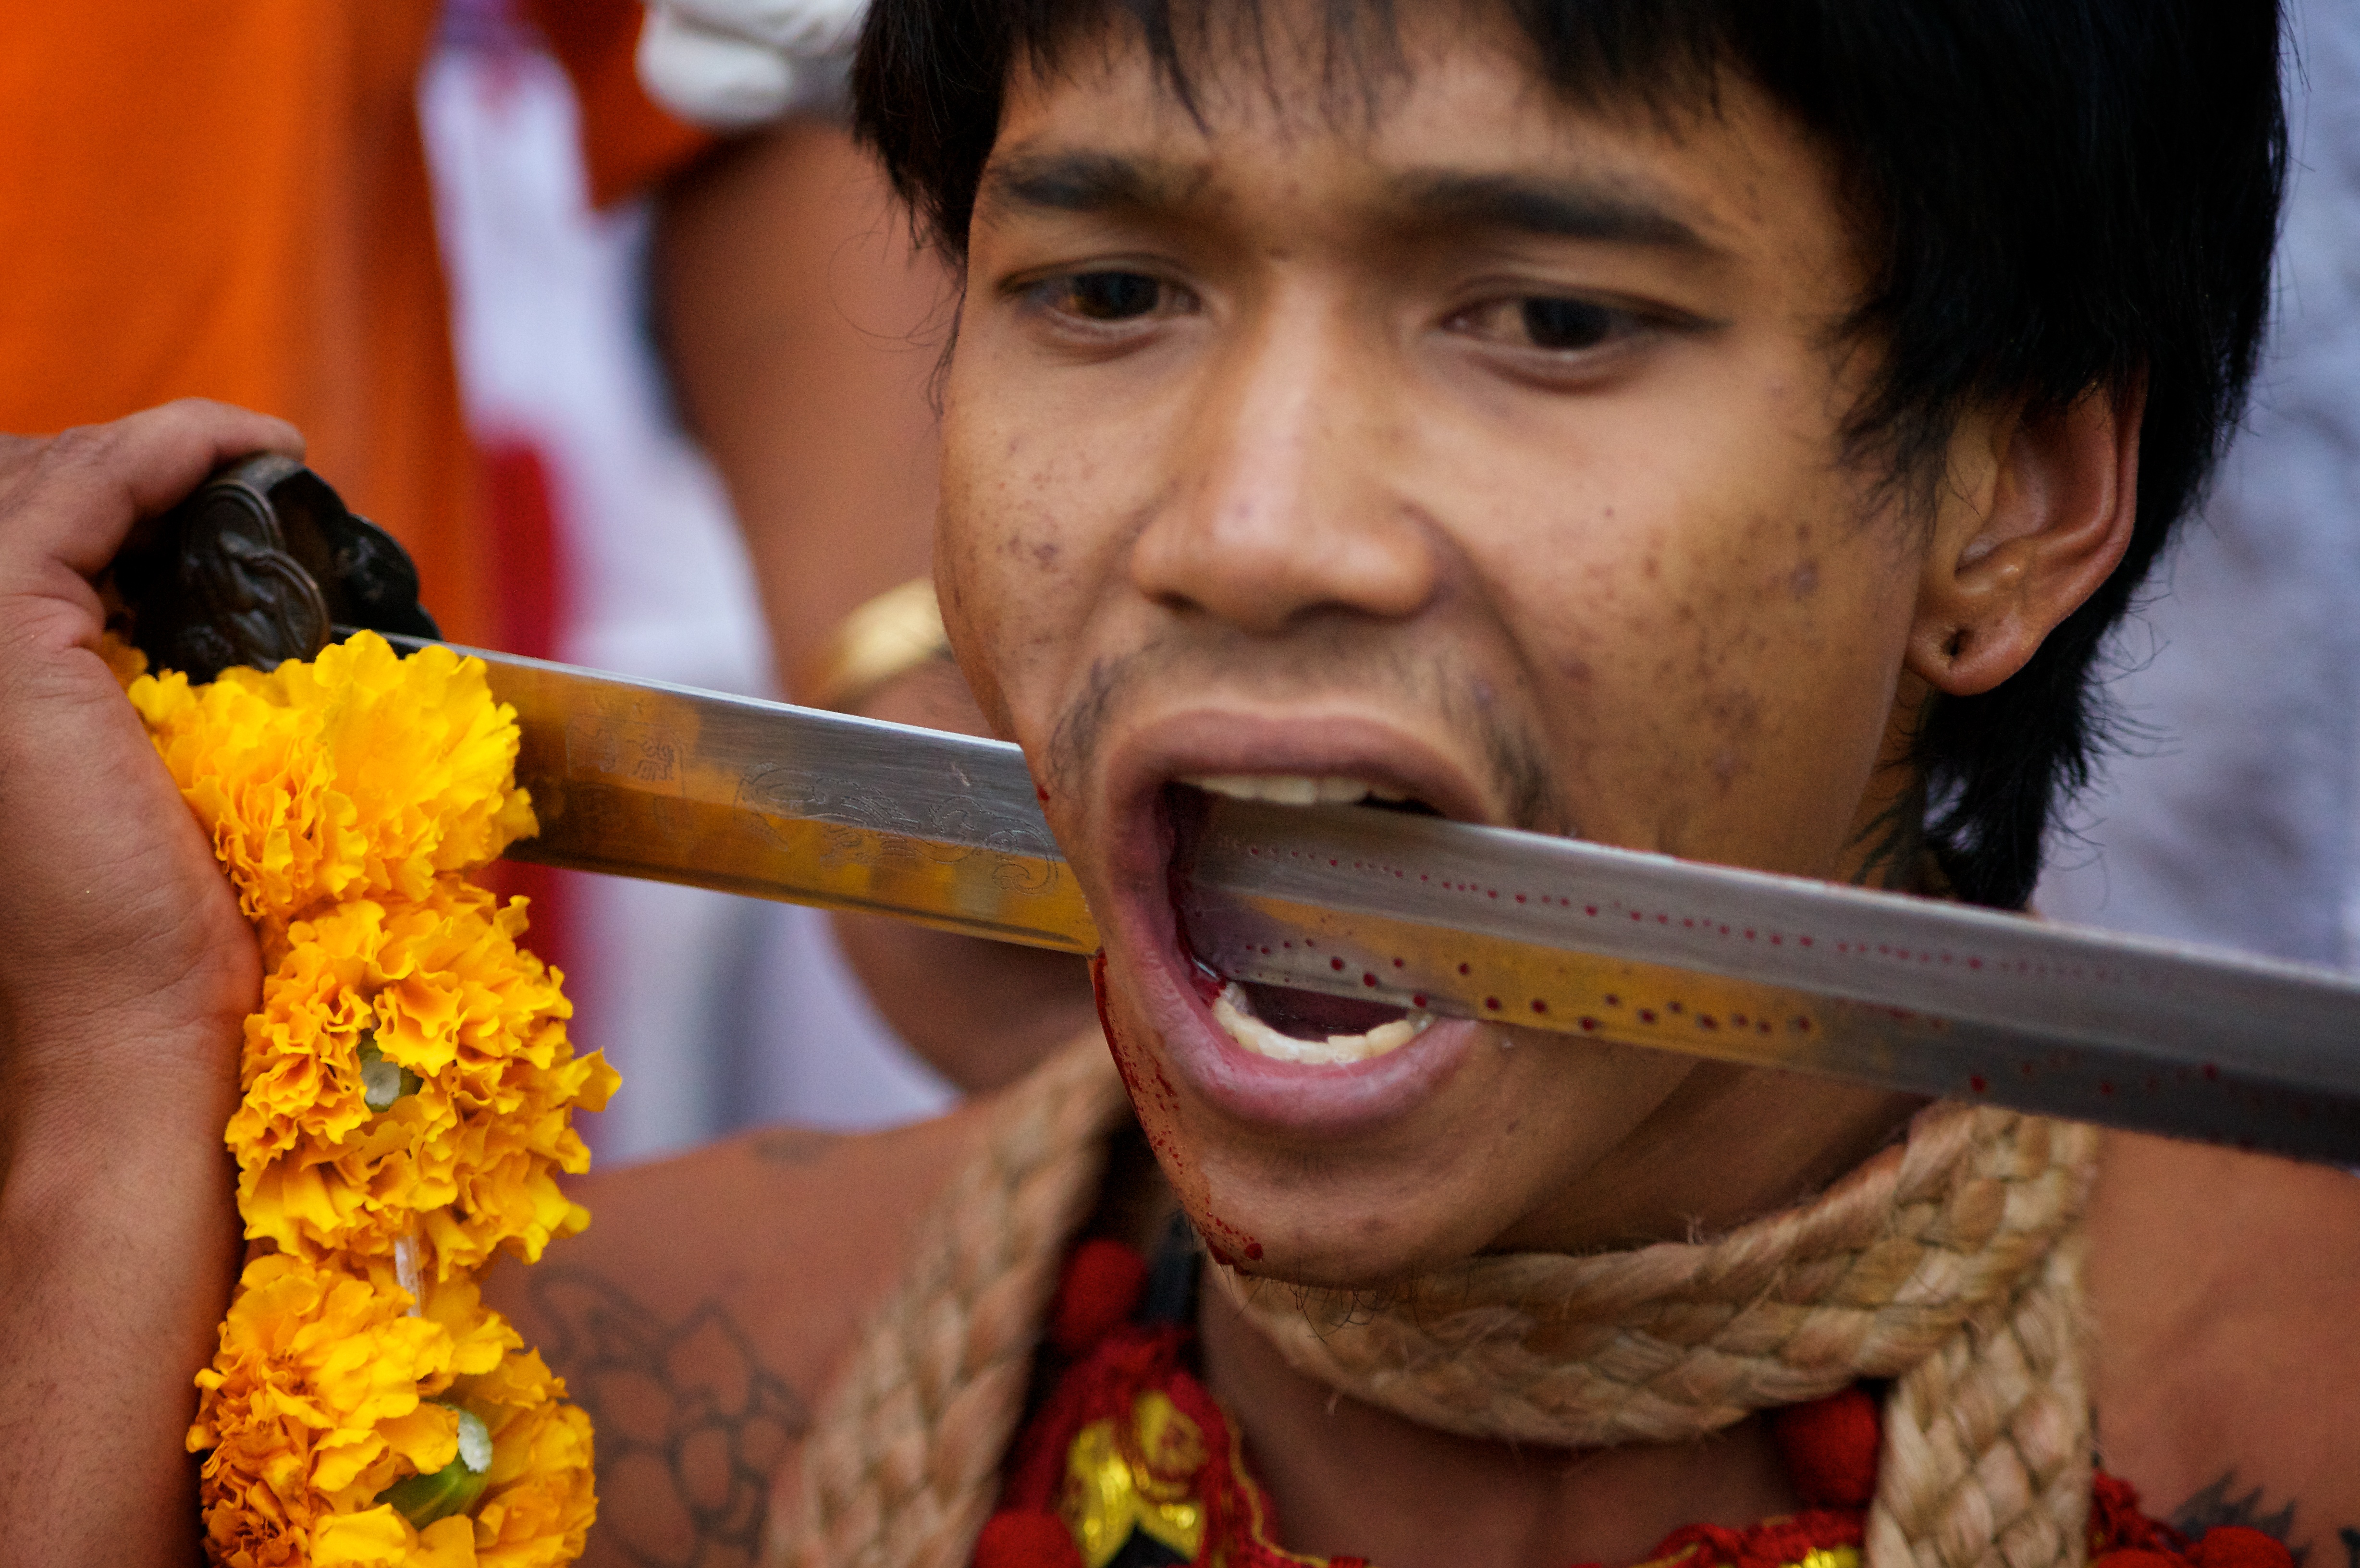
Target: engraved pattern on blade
x,y
1886,949
1555,935
776,801
1913,994
944,830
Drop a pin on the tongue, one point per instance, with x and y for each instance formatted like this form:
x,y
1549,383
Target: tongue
x,y
1307,1015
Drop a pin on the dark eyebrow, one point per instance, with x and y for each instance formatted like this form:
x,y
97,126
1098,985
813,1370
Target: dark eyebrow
x,y
1080,182
1556,209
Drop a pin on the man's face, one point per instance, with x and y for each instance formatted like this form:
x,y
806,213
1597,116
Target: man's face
x,y
1473,450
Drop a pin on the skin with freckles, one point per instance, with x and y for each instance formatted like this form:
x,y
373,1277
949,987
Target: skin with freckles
x,y
1481,449
1494,451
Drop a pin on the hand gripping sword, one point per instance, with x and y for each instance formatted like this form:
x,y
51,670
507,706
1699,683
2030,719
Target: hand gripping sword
x,y
648,780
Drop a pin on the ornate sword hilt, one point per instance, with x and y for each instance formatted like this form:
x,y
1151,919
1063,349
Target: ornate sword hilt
x,y
263,563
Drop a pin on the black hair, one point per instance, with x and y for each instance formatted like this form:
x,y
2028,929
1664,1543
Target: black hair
x,y
2059,197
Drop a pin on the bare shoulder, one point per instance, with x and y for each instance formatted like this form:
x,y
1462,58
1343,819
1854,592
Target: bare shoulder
x,y
701,1315
2228,1380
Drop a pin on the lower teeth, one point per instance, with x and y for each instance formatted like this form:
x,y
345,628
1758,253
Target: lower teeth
x,y
1236,1017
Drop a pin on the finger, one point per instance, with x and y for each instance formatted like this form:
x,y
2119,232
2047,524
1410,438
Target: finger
x,y
79,496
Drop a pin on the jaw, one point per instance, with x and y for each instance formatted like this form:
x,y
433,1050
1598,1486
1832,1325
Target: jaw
x,y
1412,1163
1351,1174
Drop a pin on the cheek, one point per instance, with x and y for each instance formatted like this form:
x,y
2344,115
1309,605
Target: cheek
x,y
1720,678
1003,567
966,597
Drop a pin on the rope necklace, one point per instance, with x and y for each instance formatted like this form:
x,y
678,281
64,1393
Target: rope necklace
x,y
1950,1263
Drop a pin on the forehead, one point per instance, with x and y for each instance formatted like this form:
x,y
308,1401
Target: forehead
x,y
1448,124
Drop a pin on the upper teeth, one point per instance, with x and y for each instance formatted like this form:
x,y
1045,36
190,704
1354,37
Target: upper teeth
x,y
1293,789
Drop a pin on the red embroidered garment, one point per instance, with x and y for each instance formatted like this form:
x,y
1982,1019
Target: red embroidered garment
x,y
1130,1464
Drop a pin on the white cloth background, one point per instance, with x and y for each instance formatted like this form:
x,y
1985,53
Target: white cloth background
x,y
2235,819
720,1012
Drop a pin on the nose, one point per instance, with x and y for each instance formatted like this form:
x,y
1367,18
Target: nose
x,y
1281,508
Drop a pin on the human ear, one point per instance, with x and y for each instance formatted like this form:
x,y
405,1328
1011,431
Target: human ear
x,y
2038,511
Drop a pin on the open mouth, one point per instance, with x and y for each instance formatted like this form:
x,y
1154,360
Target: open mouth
x,y
1281,1022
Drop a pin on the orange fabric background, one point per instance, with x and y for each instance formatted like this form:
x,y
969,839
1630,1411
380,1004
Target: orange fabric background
x,y
230,199
629,143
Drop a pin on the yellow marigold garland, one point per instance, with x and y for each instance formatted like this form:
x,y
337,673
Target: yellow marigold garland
x,y
407,1084
473,1026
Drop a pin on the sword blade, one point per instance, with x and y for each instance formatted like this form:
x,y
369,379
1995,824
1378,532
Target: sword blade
x,y
1880,989
759,798
646,780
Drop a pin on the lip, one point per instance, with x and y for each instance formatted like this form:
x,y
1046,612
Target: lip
x,y
1142,931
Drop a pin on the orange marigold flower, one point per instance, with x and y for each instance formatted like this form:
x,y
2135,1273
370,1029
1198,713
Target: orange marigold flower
x,y
407,1084
316,1402
327,1391
542,1499
359,774
124,660
475,1083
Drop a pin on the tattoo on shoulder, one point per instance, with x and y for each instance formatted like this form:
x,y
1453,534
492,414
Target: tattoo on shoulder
x,y
2226,1502
691,1423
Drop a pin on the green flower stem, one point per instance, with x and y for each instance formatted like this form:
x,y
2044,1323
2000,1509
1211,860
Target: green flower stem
x,y
454,1489
383,1081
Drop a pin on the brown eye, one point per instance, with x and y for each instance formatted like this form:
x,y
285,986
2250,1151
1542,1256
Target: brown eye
x,y
1566,324
1110,296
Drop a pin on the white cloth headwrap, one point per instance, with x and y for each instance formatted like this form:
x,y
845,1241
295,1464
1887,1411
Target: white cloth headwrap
x,y
730,65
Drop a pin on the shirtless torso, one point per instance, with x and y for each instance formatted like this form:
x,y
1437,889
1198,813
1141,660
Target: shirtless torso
x,y
703,1316
1700,428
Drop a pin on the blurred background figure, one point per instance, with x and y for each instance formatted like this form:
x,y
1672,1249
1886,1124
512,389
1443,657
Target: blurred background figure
x,y
2233,814
234,201
721,1012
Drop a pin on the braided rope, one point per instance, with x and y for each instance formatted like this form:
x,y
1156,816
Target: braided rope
x,y
1667,1343
1950,1263
1987,1440
902,1462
